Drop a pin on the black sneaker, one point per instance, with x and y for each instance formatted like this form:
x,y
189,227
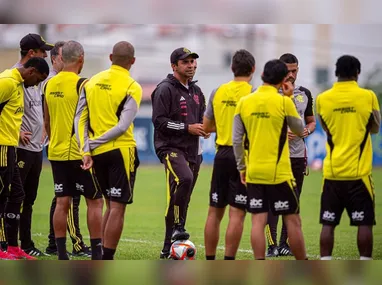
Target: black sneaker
x,y
85,251
179,233
272,251
32,251
284,250
50,250
164,254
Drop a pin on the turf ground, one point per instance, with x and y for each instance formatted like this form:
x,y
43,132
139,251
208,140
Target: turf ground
x,y
144,223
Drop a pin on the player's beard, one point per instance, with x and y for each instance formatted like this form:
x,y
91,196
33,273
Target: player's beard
x,y
292,80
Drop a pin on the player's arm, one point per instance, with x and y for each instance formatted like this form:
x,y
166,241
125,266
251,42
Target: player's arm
x,y
319,116
376,122
238,139
44,133
209,124
46,119
310,120
126,118
81,122
294,121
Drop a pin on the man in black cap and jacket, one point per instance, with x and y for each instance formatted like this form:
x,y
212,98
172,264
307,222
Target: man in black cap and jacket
x,y
178,108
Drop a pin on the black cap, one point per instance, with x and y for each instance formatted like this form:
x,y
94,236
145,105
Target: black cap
x,y
34,41
182,53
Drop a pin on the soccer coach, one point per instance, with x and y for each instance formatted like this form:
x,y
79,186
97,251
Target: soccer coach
x,y
178,108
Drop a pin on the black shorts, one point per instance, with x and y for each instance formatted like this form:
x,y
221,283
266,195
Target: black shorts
x,y
281,199
116,171
11,187
226,187
71,180
356,196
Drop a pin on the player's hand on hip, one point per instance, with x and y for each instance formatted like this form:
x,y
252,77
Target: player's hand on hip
x,y
87,162
242,177
44,136
291,136
196,130
288,88
305,133
25,137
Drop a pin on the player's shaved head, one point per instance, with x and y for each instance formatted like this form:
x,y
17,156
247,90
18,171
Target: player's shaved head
x,y
123,54
72,52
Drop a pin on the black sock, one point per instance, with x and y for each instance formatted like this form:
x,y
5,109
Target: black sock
x,y
12,222
229,257
260,258
108,253
96,245
61,248
210,257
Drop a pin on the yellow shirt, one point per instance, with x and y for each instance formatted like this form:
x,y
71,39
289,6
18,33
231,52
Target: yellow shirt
x,y
221,108
105,100
263,118
348,113
11,106
62,98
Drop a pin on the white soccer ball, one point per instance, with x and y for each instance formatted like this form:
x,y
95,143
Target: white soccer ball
x,y
183,250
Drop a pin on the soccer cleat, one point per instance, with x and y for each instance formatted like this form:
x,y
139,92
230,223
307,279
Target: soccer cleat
x,y
6,256
32,251
164,254
284,250
18,253
179,233
272,251
85,251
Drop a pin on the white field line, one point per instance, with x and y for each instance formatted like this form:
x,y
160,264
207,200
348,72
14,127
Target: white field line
x,y
222,248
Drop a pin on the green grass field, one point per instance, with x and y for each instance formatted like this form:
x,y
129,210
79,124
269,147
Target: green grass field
x,y
144,223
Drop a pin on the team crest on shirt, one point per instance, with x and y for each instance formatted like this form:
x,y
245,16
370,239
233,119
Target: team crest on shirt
x,y
21,164
174,154
196,99
300,98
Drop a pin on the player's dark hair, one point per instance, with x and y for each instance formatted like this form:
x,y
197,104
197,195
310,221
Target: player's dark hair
x,y
243,63
55,50
289,58
39,64
274,72
348,66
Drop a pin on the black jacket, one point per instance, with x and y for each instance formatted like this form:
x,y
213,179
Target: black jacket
x,y
174,108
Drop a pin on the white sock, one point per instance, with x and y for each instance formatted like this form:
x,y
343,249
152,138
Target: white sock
x,y
326,258
366,258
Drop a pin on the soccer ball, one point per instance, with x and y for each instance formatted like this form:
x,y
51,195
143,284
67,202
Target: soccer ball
x,y
182,250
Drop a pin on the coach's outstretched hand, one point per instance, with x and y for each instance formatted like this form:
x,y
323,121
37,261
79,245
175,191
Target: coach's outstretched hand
x,y
196,130
87,162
